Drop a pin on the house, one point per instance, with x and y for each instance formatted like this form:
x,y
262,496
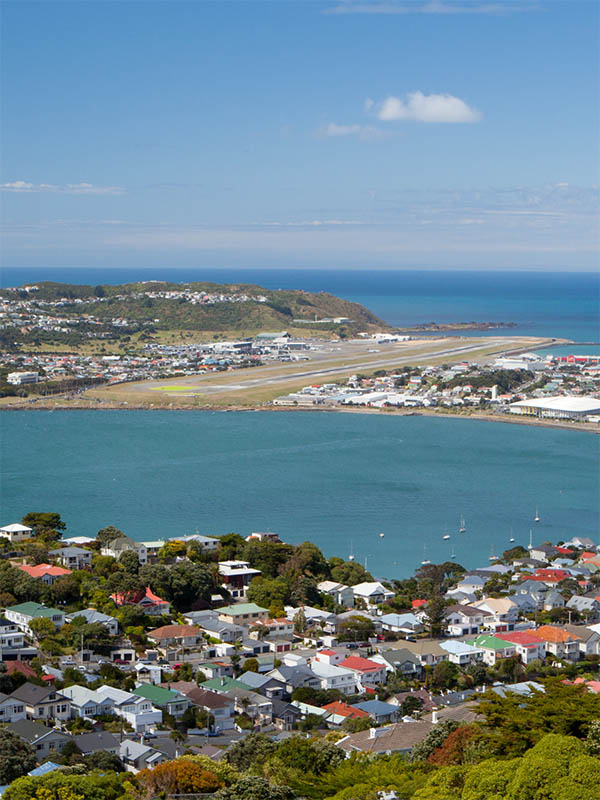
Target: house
x,y
315,616
341,709
493,648
499,613
243,614
471,583
559,642
179,636
42,702
102,741
220,706
150,603
124,544
216,669
264,536
462,653
11,639
257,707
73,557
133,708
588,607
400,661
222,631
87,702
236,577
331,677
15,532
11,709
543,552
342,595
401,623
372,593
279,627
553,599
527,646
148,672
136,756
327,656
91,616
206,543
285,715
47,573
167,700
399,737
295,677
462,620
43,739
423,695
549,575
368,674
381,712
589,639
263,684
429,653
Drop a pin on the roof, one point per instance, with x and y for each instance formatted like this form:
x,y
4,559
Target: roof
x,y
206,698
561,403
156,694
488,642
361,664
91,615
92,742
223,684
31,731
122,599
16,527
30,694
32,609
550,633
376,707
344,710
20,666
39,570
522,638
44,769
241,608
401,736
174,632
456,647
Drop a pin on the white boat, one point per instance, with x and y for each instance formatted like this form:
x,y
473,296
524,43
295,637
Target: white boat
x,y
425,559
381,535
446,536
493,557
512,538
453,556
530,545
537,516
462,528
351,556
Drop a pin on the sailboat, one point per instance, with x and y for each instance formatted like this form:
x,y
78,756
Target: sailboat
x,y
351,556
493,557
512,538
530,545
381,535
446,534
537,516
453,556
462,528
425,559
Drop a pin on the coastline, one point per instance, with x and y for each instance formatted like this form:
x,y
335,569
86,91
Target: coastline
x,y
422,412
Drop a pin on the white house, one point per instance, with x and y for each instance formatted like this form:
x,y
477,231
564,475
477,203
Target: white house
x,y
23,613
236,577
136,710
73,557
331,677
16,532
401,623
372,593
343,595
462,653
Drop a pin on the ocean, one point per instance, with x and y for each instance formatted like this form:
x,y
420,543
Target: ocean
x,y
338,480
556,304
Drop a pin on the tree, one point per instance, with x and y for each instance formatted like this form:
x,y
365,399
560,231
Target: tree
x,y
44,522
130,562
348,572
65,590
300,624
250,665
17,757
445,674
410,704
356,628
435,614
434,739
107,535
245,752
41,627
455,745
254,788
267,591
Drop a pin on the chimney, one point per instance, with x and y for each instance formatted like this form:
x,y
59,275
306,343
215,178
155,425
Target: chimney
x,y
434,718
372,733
222,681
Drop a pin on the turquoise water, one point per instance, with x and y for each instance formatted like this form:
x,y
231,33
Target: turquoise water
x,y
335,479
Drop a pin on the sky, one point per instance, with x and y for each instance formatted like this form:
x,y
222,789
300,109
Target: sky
x,y
336,134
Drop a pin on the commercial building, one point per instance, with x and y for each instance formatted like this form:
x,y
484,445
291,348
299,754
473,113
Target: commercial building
x,y
557,407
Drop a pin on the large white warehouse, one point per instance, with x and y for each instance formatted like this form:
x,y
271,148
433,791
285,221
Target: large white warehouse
x,y
559,407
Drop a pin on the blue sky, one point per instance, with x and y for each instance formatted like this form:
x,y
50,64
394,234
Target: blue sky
x,y
348,134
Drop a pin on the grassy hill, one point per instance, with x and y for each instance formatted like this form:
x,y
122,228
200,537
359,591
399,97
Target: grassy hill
x,y
276,310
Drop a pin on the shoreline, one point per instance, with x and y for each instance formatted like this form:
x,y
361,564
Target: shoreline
x,y
424,412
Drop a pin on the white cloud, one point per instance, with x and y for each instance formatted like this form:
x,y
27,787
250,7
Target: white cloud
x,y
420,107
364,132
64,188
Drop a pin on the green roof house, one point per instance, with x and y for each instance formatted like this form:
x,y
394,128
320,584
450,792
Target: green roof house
x,y
23,613
493,648
243,614
174,703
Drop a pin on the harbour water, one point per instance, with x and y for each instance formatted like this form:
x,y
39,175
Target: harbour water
x,y
336,479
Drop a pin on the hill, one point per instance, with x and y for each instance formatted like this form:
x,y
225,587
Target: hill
x,y
196,307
